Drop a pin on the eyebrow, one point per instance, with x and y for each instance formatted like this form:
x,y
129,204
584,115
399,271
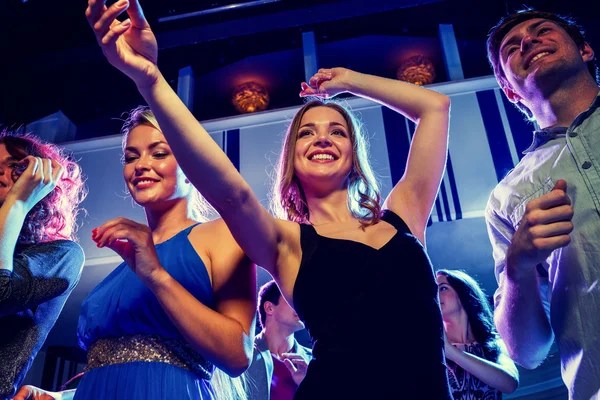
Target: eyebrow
x,y
10,158
514,38
151,146
312,125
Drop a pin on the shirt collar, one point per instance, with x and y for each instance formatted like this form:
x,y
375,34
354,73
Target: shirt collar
x,y
544,135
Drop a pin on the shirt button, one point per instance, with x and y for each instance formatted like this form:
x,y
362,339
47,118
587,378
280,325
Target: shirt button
x,y
573,134
586,165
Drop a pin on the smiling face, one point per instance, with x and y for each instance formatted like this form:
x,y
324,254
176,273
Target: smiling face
x,y
533,52
323,150
151,172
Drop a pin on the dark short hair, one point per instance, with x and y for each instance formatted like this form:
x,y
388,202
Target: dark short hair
x,y
268,292
501,29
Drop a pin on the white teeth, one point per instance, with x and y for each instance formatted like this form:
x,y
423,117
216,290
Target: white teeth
x,y
537,57
137,183
322,157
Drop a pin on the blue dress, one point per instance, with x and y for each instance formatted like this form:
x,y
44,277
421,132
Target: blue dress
x,y
120,308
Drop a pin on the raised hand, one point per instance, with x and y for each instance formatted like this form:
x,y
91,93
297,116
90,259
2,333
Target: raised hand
x,y
37,179
327,83
29,392
133,242
545,227
130,46
296,364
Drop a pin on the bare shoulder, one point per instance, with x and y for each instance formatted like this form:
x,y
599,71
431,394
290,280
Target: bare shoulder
x,y
212,233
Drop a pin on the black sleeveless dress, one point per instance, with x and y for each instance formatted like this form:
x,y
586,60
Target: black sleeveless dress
x,y
373,317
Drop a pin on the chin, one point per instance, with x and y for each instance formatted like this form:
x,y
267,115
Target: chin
x,y
143,201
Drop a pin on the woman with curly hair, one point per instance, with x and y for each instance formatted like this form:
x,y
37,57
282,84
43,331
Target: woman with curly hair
x,y
40,263
478,364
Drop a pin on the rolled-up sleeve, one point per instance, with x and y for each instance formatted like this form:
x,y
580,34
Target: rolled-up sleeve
x,y
501,231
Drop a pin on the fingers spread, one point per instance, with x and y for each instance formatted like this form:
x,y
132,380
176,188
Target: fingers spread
x,y
94,11
108,18
137,15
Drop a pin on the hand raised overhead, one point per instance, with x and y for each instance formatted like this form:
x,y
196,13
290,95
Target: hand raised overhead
x,y
327,82
130,46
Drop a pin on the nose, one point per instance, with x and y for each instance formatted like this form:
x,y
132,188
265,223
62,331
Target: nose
x,y
527,42
142,164
322,139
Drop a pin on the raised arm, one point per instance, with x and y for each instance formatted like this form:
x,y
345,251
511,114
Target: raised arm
x,y
413,196
131,47
39,272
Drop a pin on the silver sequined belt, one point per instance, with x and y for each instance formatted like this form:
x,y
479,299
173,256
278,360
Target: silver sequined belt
x,y
150,348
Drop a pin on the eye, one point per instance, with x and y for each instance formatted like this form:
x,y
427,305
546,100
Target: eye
x,y
304,133
543,30
339,132
443,288
129,158
160,155
511,50
13,165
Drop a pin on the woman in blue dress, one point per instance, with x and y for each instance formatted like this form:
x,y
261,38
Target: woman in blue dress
x,y
182,302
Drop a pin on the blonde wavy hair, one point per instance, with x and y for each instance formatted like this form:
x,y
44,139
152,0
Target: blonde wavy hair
x,y
199,209
288,200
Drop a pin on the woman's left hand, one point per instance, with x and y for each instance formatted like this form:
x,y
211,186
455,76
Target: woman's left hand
x,y
133,242
327,83
449,348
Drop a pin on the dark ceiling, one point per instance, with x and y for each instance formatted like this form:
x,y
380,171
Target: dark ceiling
x,y
51,61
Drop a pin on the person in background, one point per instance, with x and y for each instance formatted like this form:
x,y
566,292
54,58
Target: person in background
x,y
478,365
279,362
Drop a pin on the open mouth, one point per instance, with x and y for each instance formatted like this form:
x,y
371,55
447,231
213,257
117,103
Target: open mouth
x,y
143,183
322,157
537,57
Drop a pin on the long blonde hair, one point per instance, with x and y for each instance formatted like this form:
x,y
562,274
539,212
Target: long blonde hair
x,y
228,388
288,200
199,209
